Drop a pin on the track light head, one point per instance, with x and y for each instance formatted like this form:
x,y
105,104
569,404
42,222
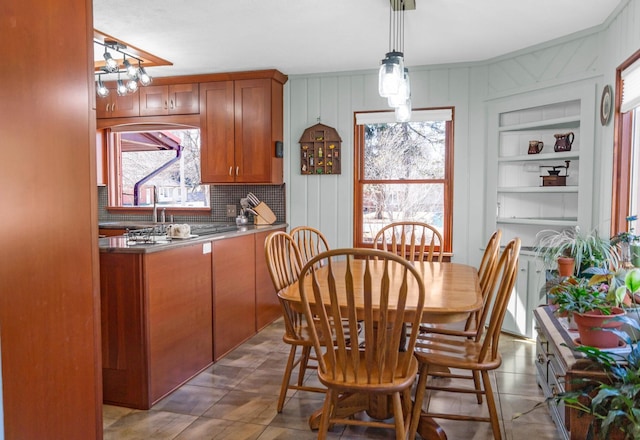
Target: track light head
x,y
143,76
101,89
110,64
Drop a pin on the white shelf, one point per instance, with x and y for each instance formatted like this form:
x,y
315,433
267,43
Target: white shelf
x,y
569,221
538,189
568,155
565,122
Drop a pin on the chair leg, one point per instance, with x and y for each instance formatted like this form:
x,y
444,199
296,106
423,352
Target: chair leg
x,y
398,416
476,383
493,413
327,413
417,404
304,360
286,378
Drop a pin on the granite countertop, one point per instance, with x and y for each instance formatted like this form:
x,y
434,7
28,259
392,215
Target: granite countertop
x,y
122,244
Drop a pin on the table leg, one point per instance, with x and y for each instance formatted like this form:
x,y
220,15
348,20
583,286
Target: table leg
x,y
429,429
348,404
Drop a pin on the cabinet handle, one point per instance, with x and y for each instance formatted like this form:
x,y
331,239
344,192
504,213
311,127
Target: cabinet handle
x,y
230,171
172,106
237,170
113,107
107,108
165,105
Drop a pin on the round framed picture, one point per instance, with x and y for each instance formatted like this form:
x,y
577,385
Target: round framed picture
x,y
606,103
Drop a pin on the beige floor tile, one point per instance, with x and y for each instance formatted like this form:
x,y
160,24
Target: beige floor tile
x,y
214,429
144,425
190,399
245,407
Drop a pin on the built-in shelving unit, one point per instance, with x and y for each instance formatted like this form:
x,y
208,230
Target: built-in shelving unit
x,y
517,201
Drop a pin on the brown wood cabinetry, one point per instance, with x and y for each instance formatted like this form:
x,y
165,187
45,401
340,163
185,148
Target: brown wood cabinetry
x,y
156,322
267,304
234,305
241,120
116,106
173,99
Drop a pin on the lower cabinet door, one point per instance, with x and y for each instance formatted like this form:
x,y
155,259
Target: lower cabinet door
x,y
234,304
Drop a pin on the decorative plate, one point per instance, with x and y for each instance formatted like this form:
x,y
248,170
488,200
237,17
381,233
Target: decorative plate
x,y
605,105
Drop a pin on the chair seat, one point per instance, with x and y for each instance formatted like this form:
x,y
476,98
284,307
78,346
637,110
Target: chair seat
x,y
361,384
454,353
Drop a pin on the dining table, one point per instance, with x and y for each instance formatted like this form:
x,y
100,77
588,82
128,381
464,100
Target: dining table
x,y
452,292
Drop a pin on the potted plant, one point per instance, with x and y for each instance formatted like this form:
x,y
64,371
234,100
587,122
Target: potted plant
x,y
586,249
592,310
628,244
614,405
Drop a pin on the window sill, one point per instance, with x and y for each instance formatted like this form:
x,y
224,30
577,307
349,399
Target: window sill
x,y
149,210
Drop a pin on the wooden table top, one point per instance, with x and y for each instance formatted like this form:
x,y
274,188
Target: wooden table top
x,y
452,290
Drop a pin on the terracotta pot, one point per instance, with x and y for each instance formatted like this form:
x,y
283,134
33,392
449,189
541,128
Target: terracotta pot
x,y
566,266
590,327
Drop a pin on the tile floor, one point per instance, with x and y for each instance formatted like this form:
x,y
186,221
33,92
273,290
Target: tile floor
x,y
235,399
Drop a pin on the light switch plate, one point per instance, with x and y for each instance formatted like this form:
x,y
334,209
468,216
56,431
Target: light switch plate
x,y
231,210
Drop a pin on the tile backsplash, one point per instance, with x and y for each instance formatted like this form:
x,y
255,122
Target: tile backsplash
x,y
221,196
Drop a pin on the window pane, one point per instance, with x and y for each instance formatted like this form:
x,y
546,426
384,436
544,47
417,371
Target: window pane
x,y
387,203
147,160
414,150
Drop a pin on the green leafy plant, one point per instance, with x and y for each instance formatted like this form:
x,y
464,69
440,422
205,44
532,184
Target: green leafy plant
x,y
588,249
578,295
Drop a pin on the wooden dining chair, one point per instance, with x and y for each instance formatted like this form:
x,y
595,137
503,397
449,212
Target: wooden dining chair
x,y
310,241
416,241
377,367
442,356
487,279
284,264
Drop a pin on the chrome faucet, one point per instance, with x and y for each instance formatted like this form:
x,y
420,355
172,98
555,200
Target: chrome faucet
x,y
155,204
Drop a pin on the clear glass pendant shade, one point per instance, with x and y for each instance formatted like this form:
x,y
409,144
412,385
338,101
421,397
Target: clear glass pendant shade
x,y
403,111
404,92
391,74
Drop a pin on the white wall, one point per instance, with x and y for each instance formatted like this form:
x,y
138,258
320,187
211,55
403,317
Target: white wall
x,y
326,202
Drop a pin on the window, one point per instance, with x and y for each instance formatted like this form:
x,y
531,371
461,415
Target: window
x,y
403,172
626,168
149,159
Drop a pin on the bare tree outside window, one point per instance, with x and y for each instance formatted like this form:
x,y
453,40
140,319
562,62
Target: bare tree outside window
x,y
404,175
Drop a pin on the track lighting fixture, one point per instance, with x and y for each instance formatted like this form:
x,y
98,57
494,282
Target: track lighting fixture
x,y
136,74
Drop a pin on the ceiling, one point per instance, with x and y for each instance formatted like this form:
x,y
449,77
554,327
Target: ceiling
x,y
314,36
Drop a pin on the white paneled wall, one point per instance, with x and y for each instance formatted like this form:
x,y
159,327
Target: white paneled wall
x,y
326,202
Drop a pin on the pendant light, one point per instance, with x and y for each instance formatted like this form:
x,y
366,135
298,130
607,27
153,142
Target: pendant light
x,y
393,76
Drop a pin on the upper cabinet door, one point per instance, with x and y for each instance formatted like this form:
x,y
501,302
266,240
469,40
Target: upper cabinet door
x,y
116,106
175,99
254,148
217,132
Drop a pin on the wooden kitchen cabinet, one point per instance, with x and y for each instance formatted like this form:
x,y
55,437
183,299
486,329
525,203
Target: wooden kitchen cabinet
x,y
173,99
268,307
156,311
234,304
241,120
116,106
